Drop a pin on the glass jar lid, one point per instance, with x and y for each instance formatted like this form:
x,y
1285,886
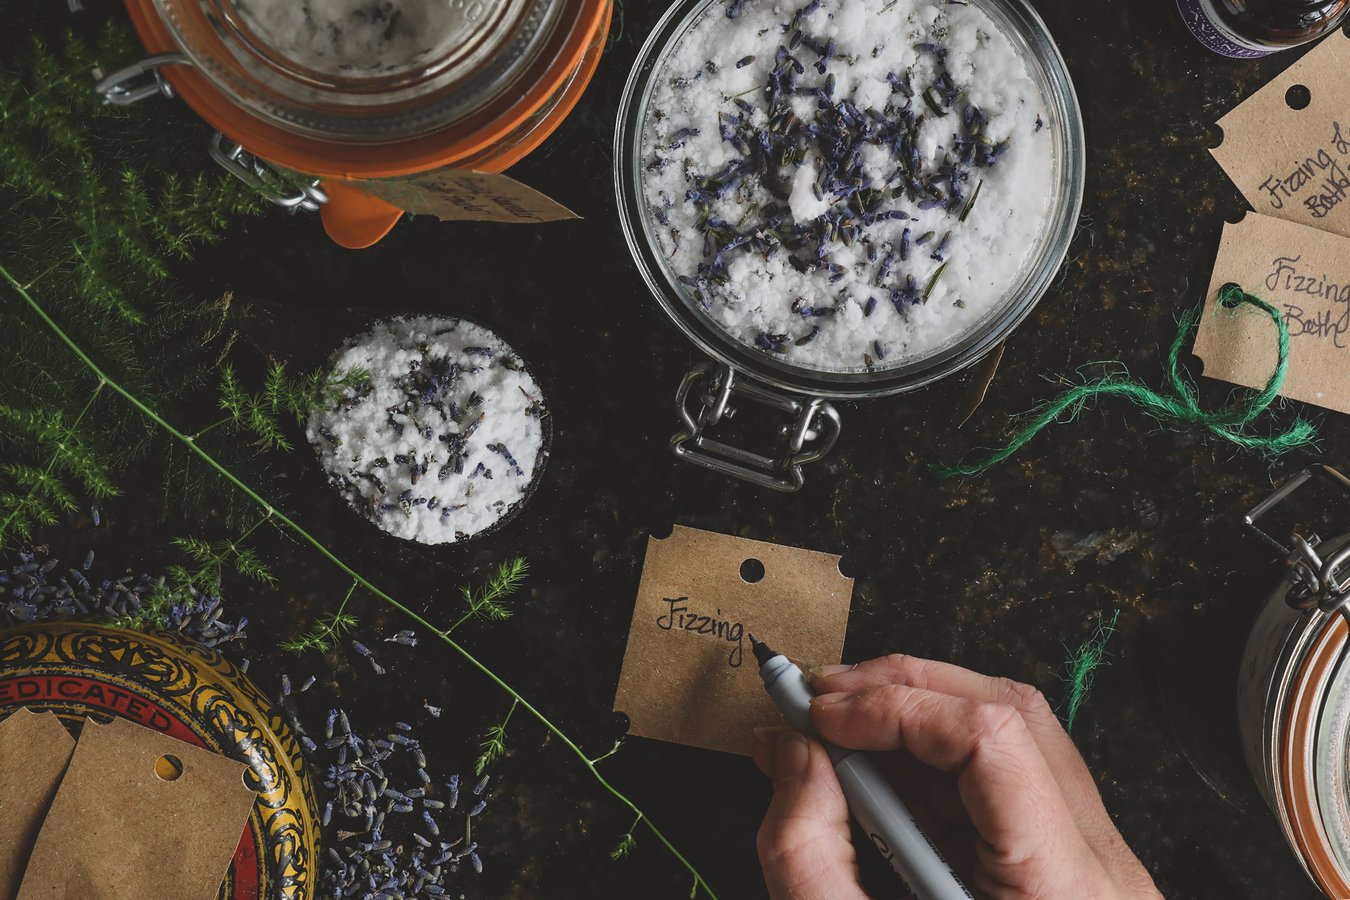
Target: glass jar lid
x,y
363,71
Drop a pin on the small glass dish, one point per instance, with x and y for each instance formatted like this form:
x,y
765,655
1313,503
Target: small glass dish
x,y
799,391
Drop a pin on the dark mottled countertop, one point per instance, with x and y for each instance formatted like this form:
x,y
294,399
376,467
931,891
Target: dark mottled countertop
x,y
999,573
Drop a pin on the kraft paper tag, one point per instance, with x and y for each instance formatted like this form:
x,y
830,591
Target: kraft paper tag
x,y
1304,273
1292,163
689,675
35,749
452,195
124,826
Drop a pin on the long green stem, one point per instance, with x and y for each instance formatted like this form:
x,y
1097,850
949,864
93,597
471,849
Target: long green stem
x,y
357,577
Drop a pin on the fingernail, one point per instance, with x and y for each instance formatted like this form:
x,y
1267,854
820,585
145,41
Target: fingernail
x,y
792,755
827,671
828,699
763,735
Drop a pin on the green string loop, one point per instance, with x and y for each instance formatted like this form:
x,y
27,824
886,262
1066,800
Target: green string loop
x,y
1181,406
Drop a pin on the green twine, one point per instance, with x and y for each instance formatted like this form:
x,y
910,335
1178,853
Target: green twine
x,y
1182,406
1082,668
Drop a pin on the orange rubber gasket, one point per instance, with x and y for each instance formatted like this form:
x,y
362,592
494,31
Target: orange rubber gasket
x,y
569,70
1299,727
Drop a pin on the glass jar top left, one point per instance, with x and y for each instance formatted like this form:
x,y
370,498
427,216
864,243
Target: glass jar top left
x,y
365,71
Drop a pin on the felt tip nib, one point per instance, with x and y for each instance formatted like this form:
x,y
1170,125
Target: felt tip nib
x,y
762,652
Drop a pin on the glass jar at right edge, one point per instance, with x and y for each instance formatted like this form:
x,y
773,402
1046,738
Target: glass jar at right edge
x,y
1249,29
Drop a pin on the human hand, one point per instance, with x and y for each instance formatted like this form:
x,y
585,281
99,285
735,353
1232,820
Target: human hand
x,y
1000,786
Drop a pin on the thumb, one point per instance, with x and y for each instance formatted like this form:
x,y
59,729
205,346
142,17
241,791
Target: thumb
x,y
804,843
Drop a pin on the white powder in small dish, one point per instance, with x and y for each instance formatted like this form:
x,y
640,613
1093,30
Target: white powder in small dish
x,y
847,185
445,438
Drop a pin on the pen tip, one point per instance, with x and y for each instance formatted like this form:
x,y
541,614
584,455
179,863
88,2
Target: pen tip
x,y
761,650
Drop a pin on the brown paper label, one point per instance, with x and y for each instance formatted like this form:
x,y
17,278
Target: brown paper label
x,y
35,749
452,195
1303,272
688,675
1292,163
124,825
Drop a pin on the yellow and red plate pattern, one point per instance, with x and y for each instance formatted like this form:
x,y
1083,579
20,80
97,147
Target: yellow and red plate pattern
x,y
195,694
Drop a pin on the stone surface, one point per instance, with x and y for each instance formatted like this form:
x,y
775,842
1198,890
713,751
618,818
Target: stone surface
x,y
999,573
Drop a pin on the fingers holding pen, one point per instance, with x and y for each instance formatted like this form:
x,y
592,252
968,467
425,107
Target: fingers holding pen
x,y
1069,771
805,842
1026,828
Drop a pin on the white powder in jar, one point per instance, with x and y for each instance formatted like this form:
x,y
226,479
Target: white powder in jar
x,y
445,437
355,36
847,185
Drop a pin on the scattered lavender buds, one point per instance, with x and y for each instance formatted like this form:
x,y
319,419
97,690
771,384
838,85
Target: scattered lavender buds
x,y
414,448
386,834
847,134
37,588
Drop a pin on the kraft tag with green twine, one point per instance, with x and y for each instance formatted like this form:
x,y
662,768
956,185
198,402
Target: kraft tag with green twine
x,y
1181,405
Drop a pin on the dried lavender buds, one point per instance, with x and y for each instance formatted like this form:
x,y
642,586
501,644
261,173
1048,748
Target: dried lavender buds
x,y
445,439
846,184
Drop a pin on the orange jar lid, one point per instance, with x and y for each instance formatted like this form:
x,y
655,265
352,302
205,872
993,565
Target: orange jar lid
x,y
489,95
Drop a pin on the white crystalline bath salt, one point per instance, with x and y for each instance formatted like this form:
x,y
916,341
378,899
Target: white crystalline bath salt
x,y
444,439
847,184
353,36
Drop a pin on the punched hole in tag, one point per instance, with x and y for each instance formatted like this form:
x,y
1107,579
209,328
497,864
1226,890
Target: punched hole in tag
x,y
1298,96
752,571
169,767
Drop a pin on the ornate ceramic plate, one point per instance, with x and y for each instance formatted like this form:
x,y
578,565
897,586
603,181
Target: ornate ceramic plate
x,y
165,682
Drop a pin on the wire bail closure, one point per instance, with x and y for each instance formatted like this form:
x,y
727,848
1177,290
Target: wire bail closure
x,y
810,437
129,85
1314,581
265,178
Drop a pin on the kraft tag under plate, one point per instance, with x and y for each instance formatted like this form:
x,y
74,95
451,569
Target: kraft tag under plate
x,y
689,676
35,749
139,816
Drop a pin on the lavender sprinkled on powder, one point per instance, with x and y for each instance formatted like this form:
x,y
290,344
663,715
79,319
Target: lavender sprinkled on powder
x,y
419,447
836,137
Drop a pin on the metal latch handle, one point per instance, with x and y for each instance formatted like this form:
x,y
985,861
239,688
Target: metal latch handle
x,y
811,436
128,85
1316,582
263,177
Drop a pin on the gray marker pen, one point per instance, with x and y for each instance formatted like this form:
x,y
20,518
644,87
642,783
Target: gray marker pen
x,y
873,803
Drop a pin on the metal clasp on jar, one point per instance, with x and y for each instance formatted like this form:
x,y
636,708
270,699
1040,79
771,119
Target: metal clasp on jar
x,y
812,434
1314,581
264,177
129,85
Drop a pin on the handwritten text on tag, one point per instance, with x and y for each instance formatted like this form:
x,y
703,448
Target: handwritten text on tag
x,y
688,674
1292,160
1304,273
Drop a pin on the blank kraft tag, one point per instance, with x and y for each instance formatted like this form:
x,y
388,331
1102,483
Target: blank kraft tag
x,y
1287,147
689,676
139,816
35,749
1305,274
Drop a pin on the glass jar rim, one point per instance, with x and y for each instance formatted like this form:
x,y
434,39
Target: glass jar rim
x,y
1022,22
310,104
